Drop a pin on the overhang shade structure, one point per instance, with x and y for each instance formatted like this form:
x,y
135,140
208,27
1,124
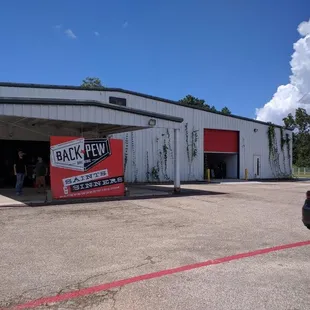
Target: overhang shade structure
x,y
85,118
109,118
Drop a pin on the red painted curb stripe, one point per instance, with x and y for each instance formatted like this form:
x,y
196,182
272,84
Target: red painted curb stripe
x,y
157,274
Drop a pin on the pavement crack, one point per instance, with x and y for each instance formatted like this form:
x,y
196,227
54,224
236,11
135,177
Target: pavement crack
x,y
147,260
79,285
21,297
113,297
107,294
150,259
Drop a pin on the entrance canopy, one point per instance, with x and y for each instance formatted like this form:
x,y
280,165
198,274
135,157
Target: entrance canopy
x,y
85,117
62,117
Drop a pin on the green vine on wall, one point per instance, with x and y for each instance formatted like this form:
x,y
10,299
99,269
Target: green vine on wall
x,y
158,169
288,148
161,161
194,148
147,167
155,173
274,155
282,139
191,146
134,162
187,142
273,152
162,151
165,159
271,136
161,154
169,143
158,157
283,142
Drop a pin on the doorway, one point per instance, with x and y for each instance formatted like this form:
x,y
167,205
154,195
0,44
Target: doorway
x,y
257,166
222,165
32,149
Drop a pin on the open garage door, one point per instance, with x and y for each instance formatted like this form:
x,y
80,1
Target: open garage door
x,y
221,148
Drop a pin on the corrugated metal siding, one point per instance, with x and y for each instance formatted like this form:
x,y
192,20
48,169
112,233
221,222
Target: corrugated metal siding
x,y
144,150
251,143
91,114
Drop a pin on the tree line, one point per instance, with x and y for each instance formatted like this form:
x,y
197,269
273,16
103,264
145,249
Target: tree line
x,y
95,83
190,100
300,124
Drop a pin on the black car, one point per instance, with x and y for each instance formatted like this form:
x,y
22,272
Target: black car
x,y
306,211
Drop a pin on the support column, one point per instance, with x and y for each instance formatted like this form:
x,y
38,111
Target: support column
x,y
177,179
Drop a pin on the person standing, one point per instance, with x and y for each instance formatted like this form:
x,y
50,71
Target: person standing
x,y
41,173
20,171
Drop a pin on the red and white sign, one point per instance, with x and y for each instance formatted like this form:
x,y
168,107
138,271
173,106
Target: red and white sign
x,y
83,168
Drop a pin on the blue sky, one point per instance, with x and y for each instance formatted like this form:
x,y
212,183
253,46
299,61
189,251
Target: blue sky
x,y
233,53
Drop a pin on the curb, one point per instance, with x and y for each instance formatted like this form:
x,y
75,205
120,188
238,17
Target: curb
x,y
80,201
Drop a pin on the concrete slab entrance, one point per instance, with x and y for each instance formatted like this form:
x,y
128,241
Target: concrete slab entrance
x,y
30,197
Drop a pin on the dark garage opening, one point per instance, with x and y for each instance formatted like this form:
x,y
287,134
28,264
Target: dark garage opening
x,y
9,154
221,149
222,165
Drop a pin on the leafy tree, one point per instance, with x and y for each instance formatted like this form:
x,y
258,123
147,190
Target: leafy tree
x,y
91,83
191,100
289,121
226,111
301,136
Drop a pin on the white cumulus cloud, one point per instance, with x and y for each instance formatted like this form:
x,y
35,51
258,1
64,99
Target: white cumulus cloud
x,y
297,93
70,34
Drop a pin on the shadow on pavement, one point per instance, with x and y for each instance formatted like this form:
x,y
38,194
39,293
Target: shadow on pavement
x,y
134,192
184,191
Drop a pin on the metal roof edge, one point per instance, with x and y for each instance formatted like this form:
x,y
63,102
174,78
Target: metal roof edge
x,y
120,90
22,100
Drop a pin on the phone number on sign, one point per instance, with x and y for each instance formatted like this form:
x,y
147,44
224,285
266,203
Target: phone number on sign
x,y
83,193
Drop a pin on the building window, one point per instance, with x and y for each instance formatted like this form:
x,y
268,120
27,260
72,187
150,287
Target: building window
x,y
118,101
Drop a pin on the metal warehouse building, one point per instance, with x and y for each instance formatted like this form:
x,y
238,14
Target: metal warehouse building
x,y
153,130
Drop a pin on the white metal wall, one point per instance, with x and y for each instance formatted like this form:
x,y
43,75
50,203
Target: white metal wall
x,y
149,153
251,144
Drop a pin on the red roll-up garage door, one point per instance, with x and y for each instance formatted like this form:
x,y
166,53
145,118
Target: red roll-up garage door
x,y
221,141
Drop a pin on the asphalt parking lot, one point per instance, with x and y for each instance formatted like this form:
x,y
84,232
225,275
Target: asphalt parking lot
x,y
126,254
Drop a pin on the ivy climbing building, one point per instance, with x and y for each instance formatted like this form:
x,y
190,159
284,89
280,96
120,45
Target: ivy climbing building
x,y
230,146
